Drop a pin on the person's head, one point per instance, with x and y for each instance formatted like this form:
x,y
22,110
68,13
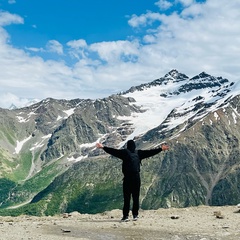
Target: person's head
x,y
131,145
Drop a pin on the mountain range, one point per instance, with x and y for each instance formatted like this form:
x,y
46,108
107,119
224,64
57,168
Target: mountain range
x,y
49,163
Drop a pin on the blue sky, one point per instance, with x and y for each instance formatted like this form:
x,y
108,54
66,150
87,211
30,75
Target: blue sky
x,y
64,20
69,49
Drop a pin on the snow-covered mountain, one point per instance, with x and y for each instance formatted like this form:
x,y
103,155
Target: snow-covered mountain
x,y
55,140
176,98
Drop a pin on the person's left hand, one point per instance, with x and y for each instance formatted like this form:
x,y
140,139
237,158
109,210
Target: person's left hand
x,y
99,145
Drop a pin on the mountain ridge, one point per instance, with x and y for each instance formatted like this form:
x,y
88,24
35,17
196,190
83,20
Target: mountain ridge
x,y
44,147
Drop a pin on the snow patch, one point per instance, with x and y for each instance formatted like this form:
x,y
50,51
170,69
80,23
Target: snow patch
x,y
22,119
59,118
216,116
20,144
69,112
234,117
47,136
41,143
72,159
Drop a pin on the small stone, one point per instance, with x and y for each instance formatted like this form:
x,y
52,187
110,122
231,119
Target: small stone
x,y
218,214
225,227
65,231
65,215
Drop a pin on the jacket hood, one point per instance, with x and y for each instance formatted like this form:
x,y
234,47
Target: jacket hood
x,y
131,145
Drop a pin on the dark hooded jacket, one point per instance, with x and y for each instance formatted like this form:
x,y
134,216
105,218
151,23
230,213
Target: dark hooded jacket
x,y
127,155
131,146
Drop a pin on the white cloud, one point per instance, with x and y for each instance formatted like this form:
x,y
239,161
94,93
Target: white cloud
x,y
11,1
186,2
6,99
163,4
33,49
55,46
7,18
113,52
145,19
149,39
76,44
135,20
194,11
203,37
77,48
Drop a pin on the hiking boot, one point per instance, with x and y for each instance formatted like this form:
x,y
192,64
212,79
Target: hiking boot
x,y
135,217
125,219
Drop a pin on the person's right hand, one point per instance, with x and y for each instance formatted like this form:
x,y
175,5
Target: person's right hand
x,y
164,147
99,145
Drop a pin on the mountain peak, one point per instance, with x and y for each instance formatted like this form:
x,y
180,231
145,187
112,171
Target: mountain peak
x,y
175,76
201,75
173,73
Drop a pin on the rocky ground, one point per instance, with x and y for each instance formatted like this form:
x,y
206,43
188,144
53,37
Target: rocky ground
x,y
195,223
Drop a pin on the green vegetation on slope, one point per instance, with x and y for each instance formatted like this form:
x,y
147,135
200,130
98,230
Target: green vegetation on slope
x,y
5,189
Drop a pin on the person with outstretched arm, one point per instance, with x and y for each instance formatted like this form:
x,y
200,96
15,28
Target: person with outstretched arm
x,y
131,161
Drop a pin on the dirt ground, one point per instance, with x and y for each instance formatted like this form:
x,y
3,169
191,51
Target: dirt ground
x,y
194,223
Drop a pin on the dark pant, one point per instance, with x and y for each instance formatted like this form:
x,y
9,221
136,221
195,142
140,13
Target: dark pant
x,y
131,188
